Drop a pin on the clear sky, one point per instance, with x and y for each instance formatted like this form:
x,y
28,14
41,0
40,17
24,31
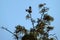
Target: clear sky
x,y
12,13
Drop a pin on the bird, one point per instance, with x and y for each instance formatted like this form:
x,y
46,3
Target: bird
x,y
29,10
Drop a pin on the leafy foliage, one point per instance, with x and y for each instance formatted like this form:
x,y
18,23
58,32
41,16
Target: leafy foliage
x,y
42,28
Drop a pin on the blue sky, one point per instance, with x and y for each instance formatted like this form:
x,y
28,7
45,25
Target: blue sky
x,y
12,13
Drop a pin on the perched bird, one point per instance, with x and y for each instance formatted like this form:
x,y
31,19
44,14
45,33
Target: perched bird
x,y
41,5
29,10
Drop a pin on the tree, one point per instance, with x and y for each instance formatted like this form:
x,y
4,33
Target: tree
x,y
40,31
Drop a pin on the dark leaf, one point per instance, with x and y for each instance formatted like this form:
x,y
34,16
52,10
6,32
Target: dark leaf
x,y
38,20
28,37
32,30
48,18
51,39
27,16
41,5
33,21
43,10
40,30
18,28
24,30
49,28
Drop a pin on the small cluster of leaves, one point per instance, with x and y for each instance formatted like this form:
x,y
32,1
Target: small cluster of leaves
x,y
20,28
48,18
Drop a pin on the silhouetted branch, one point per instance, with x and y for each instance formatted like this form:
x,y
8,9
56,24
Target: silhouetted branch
x,y
10,32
